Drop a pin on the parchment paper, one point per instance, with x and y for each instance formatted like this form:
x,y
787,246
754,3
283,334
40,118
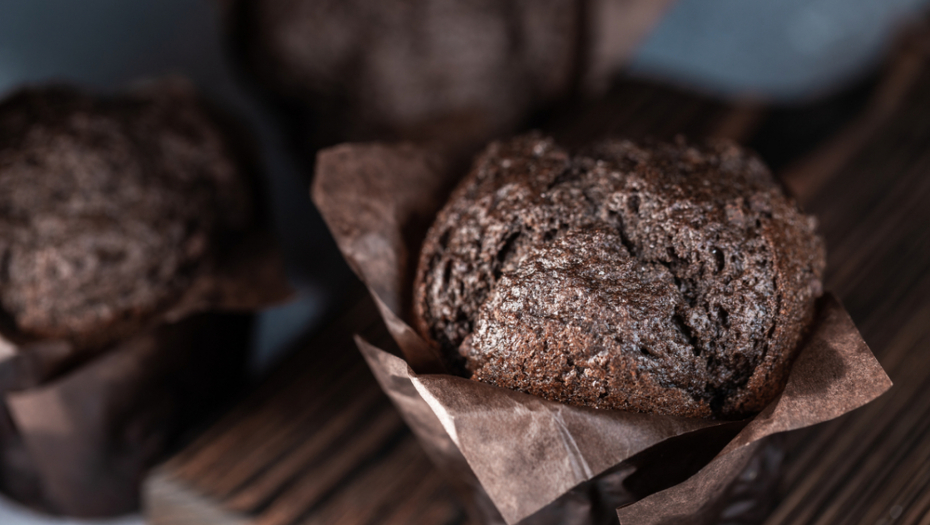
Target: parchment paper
x,y
526,452
79,428
247,278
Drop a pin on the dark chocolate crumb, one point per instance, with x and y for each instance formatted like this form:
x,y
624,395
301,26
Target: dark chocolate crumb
x,y
653,295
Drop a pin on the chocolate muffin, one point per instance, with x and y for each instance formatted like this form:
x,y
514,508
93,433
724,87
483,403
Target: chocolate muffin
x,y
422,69
673,278
109,206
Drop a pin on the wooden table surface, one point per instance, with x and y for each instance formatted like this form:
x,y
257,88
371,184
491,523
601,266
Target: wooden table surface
x,y
317,442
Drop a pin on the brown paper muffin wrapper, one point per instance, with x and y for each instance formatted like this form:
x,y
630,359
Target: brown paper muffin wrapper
x,y
78,430
537,460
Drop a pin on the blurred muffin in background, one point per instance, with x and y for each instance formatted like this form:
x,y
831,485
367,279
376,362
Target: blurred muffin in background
x,y
132,254
109,206
444,70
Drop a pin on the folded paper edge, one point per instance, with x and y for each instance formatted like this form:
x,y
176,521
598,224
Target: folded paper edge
x,y
384,364
678,505
860,390
320,195
741,445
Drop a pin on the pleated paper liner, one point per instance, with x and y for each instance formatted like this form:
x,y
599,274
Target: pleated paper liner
x,y
537,460
79,428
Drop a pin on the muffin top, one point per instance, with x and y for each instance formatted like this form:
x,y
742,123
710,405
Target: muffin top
x,y
411,69
671,278
109,206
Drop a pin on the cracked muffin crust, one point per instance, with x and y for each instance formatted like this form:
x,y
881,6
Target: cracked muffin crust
x,y
109,206
676,278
